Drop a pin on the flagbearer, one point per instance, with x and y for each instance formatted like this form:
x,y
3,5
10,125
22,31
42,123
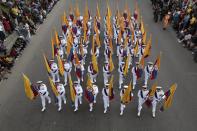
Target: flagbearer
x,y
106,72
61,95
124,98
158,96
92,72
137,72
142,97
44,94
91,94
148,70
105,93
121,73
67,70
79,92
54,71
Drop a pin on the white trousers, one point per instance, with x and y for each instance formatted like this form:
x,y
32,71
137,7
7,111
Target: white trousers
x,y
43,99
78,99
106,102
60,98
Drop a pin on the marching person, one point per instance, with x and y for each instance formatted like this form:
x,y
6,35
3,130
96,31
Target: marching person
x,y
105,93
44,94
54,71
123,103
67,70
63,43
121,73
106,72
136,73
142,97
61,95
148,70
92,72
60,53
158,96
78,97
91,94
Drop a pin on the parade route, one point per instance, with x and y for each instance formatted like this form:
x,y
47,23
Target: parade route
x,y
18,113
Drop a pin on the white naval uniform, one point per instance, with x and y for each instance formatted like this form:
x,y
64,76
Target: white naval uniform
x,y
61,53
106,73
78,97
55,72
147,70
134,76
105,93
44,94
122,105
67,70
63,45
95,92
61,96
121,75
158,96
92,74
142,97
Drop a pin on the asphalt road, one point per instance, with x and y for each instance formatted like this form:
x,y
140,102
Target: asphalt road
x,y
17,113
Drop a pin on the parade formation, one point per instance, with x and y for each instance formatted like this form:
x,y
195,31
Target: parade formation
x,y
123,35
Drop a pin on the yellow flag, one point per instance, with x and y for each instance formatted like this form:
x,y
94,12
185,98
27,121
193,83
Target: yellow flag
x,y
93,46
57,42
153,89
111,45
111,64
144,38
111,86
46,64
148,47
126,68
142,26
52,48
53,87
61,65
142,62
136,48
72,90
86,14
98,12
126,98
89,82
77,12
168,101
27,84
65,21
158,61
94,63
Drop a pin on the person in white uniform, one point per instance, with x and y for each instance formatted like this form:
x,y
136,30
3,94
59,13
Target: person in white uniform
x,y
61,95
44,94
78,97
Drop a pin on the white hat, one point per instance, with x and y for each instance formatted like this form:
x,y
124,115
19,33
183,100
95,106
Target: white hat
x,y
144,86
122,63
94,85
150,63
76,82
106,84
51,60
39,82
158,87
125,86
81,17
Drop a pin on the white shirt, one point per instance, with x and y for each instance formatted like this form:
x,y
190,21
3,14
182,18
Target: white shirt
x,y
105,92
78,89
61,89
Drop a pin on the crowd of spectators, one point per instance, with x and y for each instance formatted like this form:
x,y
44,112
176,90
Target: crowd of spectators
x,y
21,17
183,18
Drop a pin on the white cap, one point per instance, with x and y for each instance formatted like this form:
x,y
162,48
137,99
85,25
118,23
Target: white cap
x,y
158,87
144,86
81,17
150,63
39,82
125,86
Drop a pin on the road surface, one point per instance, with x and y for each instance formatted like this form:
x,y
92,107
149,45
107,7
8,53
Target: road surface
x,y
17,113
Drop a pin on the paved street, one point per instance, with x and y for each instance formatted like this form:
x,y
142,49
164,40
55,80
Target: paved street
x,y
17,113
